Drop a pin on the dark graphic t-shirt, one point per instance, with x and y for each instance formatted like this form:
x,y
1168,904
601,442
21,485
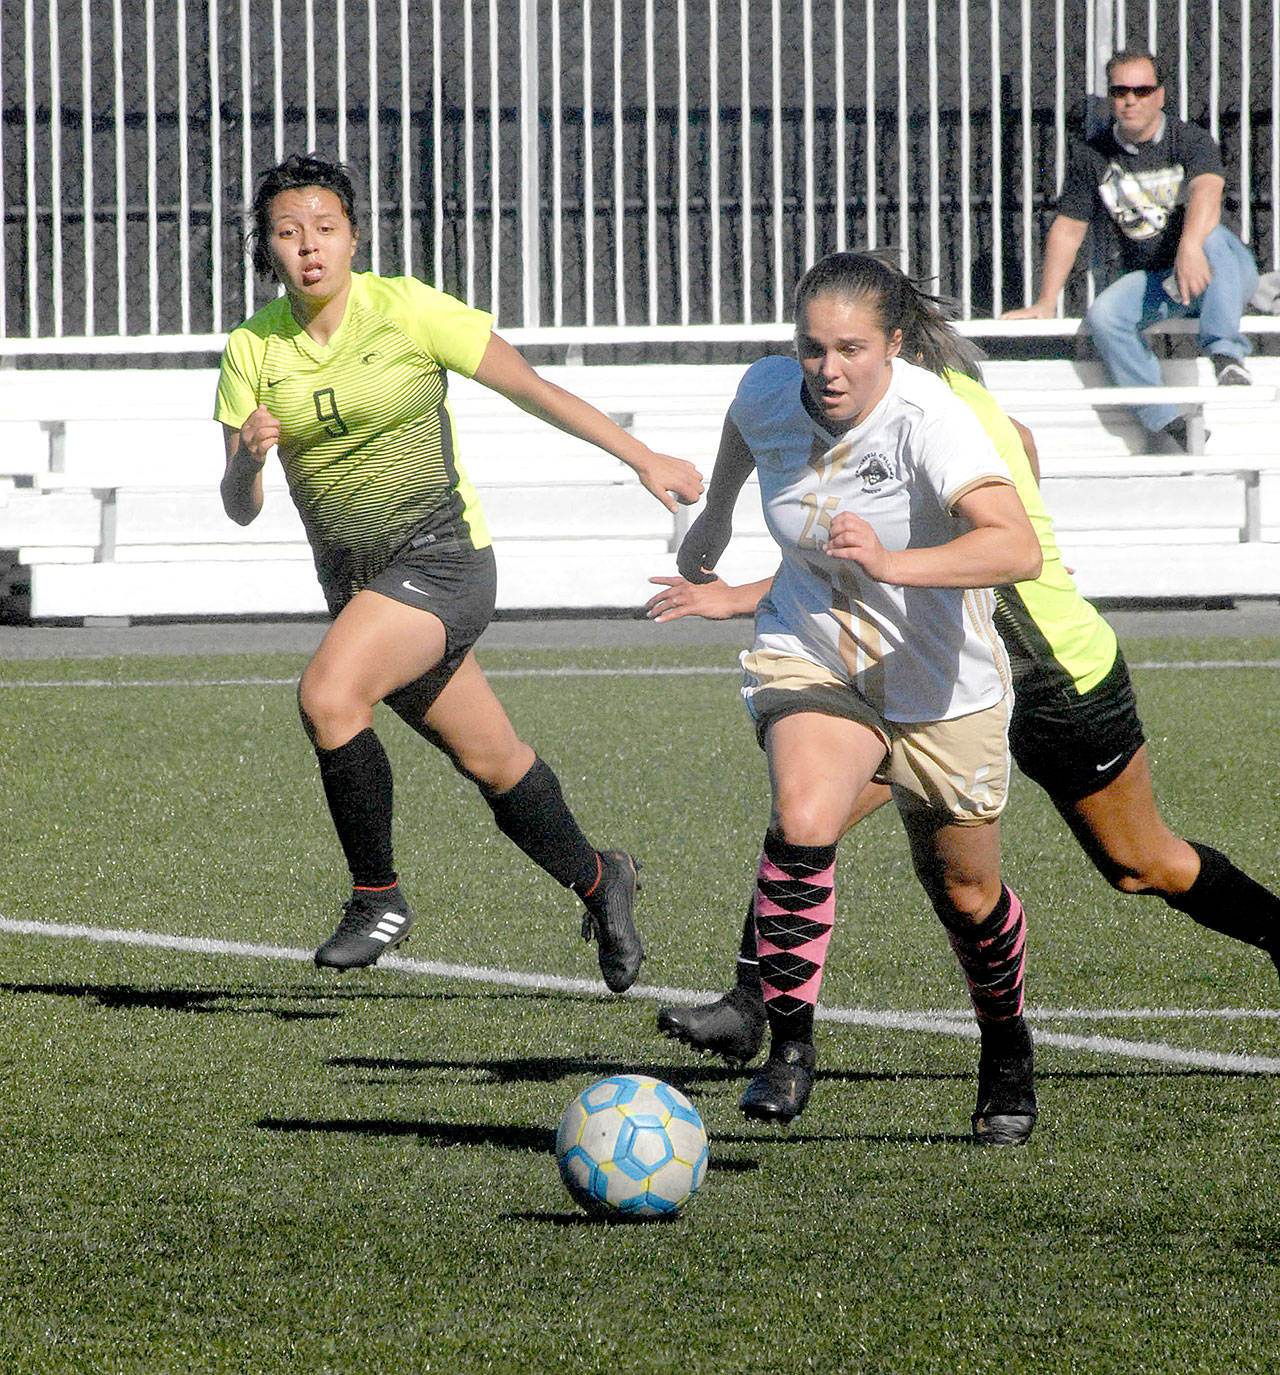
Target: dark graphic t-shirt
x,y
1138,192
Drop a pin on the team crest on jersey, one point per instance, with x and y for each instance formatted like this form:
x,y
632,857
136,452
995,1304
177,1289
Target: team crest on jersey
x,y
873,470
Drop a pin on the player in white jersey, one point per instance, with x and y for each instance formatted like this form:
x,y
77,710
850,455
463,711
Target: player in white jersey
x,y
1074,731
915,653
876,657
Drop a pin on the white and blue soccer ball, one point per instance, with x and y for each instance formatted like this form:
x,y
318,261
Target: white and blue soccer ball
x,y
631,1146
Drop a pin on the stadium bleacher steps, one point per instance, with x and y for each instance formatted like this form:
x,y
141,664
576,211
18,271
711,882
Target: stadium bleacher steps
x,y
109,502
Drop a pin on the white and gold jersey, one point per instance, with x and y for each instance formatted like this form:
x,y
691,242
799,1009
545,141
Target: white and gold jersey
x,y
914,653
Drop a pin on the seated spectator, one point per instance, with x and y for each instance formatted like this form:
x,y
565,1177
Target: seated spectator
x,y
1151,186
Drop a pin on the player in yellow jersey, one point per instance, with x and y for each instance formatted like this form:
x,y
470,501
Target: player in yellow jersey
x,y
344,377
1074,728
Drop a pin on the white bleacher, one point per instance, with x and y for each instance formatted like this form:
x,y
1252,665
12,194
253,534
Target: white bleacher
x,y
109,504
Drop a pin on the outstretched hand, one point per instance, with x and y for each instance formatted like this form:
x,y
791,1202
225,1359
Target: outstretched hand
x,y
679,597
674,481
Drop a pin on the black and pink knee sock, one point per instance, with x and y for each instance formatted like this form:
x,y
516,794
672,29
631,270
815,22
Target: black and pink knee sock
x,y
358,788
1226,899
794,913
993,955
534,814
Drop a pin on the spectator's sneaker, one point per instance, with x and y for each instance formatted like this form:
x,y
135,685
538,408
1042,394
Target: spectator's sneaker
x,y
610,921
1230,372
733,1027
781,1089
374,921
1006,1110
1177,432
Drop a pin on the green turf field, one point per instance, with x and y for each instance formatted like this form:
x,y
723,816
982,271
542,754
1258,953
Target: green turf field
x,y
225,1162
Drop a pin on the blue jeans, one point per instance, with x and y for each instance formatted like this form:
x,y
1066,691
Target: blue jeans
x,y
1138,299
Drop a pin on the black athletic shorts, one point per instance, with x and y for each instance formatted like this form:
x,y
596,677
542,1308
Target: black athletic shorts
x,y
445,574
1074,744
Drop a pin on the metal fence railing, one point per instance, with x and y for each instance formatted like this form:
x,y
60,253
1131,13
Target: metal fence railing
x,y
575,163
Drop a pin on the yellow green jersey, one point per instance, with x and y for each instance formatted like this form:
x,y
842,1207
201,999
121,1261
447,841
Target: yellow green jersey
x,y
367,441
1054,637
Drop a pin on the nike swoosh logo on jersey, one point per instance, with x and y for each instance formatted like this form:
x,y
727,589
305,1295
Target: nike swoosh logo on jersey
x,y
365,357
413,587
1102,768
274,383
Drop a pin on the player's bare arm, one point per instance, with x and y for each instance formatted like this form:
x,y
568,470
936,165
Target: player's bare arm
x,y
247,451
503,369
1029,447
1000,546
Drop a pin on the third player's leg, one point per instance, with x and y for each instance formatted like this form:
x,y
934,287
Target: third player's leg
x,y
1121,830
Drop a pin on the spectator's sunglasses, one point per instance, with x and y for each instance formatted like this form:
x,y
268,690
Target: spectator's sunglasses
x,y
1138,92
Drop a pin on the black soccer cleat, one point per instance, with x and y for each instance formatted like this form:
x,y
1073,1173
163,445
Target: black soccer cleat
x,y
780,1091
610,920
373,922
1006,1110
733,1027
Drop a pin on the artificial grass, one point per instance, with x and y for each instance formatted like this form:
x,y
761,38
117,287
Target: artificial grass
x,y
218,1163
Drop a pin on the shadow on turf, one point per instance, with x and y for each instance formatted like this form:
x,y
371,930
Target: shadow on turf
x,y
539,1140
205,1000
541,1069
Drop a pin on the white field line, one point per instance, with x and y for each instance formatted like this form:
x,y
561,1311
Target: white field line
x,y
567,671
947,1023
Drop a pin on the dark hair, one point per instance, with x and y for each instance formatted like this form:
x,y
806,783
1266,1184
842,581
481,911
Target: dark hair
x,y
1133,55
900,303
295,172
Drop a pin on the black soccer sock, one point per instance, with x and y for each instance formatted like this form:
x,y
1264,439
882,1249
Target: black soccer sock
x,y
1227,900
794,913
358,788
748,961
536,817
992,954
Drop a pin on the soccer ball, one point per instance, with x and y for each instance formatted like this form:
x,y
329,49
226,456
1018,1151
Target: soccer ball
x,y
631,1146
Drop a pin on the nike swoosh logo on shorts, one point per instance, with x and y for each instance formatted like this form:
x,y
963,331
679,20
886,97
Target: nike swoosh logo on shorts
x,y
1102,768
274,383
413,587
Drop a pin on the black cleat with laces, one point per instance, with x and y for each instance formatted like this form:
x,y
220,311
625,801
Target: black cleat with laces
x,y
781,1089
1006,1110
733,1027
610,920
374,921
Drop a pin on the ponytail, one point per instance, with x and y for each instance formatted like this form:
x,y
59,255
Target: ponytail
x,y
902,304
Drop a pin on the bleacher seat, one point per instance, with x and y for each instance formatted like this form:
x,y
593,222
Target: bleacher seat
x,y
109,504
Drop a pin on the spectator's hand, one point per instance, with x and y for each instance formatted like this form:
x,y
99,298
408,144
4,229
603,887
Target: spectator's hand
x,y
259,434
712,600
700,550
1037,310
673,481
1192,271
